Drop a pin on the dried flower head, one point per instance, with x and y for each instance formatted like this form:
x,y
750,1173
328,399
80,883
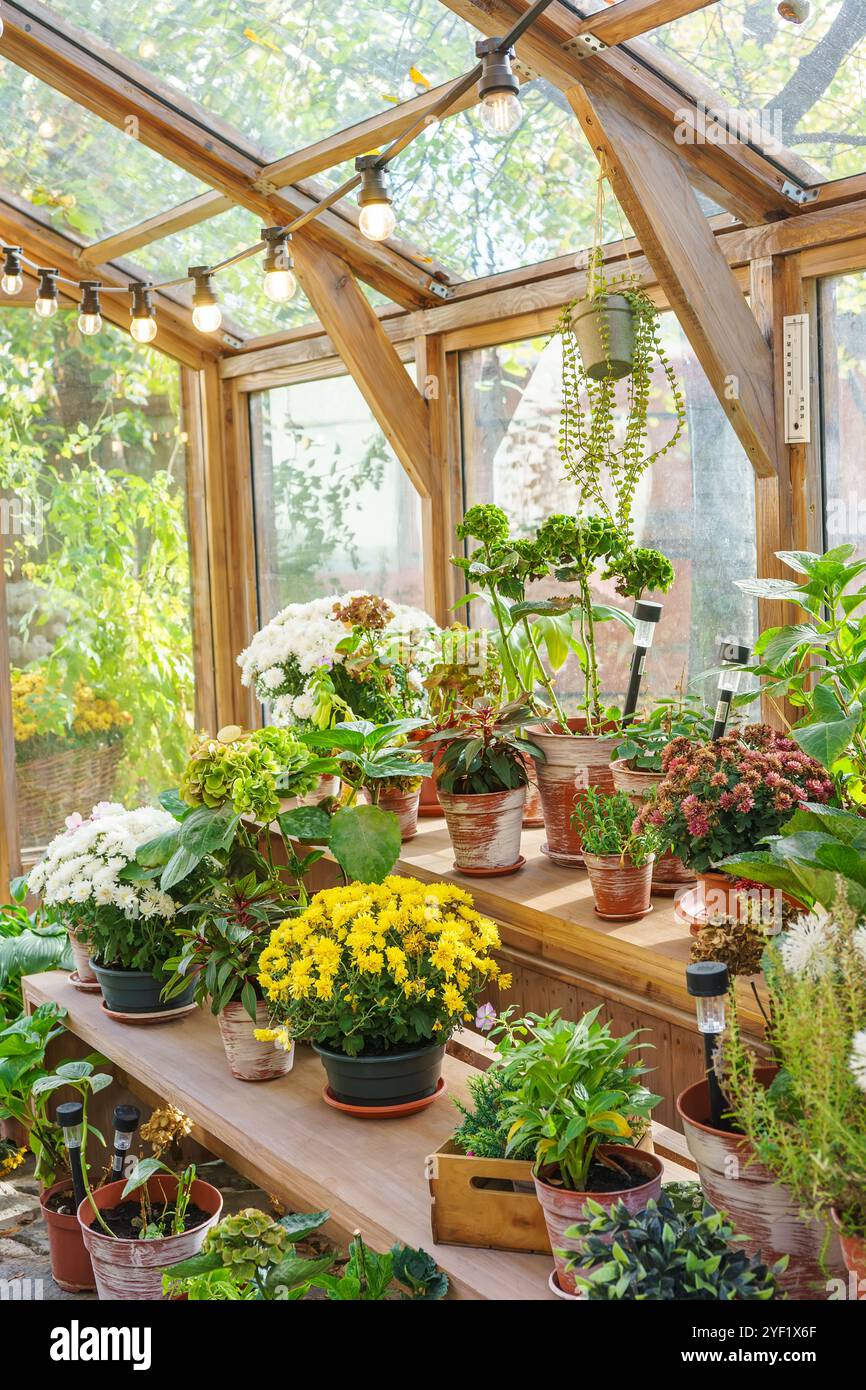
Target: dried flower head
x,y
165,1127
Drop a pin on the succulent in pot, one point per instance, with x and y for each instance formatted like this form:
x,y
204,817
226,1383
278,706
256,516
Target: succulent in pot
x,y
618,860
574,1095
481,778
377,976
670,1250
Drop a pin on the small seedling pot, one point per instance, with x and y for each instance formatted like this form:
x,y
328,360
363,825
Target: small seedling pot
x,y
854,1255
81,958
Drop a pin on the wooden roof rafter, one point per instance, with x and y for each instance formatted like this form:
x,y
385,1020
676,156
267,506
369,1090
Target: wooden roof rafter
x,y
131,99
627,19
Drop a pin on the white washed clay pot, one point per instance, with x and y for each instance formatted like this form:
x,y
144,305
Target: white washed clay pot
x,y
572,762
81,959
485,830
248,1058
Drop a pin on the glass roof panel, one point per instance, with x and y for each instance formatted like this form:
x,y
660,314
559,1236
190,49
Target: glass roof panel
x,y
285,72
482,204
81,174
801,84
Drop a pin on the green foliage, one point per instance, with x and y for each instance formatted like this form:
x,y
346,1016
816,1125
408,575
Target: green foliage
x,y
481,1132
249,771
46,1137
645,740
819,665
170,1217
482,750
369,754
29,944
371,1278
250,1256
23,1044
664,1253
820,855
604,822
569,1088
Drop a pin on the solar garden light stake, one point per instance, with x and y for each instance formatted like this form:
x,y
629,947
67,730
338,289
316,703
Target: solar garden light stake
x,y
735,655
126,1122
70,1117
646,616
707,982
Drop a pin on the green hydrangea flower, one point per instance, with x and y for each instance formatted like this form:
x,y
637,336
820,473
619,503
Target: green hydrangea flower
x,y
247,1242
250,770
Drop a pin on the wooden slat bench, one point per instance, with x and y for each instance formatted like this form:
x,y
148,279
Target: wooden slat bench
x,y
281,1135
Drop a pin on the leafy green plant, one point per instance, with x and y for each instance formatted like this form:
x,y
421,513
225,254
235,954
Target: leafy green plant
x,y
251,1256
30,942
411,1275
82,1077
819,855
482,750
663,1253
605,821
481,1132
369,755
819,665
157,1221
645,740
23,1045
569,1089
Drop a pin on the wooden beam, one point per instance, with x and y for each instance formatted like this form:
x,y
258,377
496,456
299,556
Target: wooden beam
x,y
204,663
358,336
437,517
652,187
131,98
164,224
628,18
176,336
10,850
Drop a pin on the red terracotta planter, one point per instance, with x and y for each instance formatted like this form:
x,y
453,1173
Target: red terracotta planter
x,y
669,872
70,1262
485,830
405,807
759,1207
621,891
81,958
563,1208
572,762
533,815
249,1059
131,1270
854,1255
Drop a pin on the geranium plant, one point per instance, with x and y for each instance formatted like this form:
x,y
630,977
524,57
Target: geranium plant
x,y
349,656
717,799
375,968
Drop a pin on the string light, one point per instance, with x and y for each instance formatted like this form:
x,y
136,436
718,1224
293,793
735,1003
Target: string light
x,y
90,318
206,312
46,295
143,323
12,280
377,220
280,284
498,88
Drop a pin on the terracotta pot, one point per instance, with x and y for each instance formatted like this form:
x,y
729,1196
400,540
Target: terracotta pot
x,y
70,1262
405,807
132,1269
572,763
249,1059
760,1208
533,816
854,1255
485,830
81,958
563,1208
327,786
428,804
621,891
669,871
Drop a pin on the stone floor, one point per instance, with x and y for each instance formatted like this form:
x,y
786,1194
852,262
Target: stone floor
x,y
24,1239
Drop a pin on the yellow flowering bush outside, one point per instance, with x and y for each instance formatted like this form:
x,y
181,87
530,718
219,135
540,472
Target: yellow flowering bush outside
x,y
379,967
45,720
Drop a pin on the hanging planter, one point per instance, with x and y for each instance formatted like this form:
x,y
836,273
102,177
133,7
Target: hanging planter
x,y
603,326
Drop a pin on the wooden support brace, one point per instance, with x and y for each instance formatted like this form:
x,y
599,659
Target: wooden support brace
x,y
650,182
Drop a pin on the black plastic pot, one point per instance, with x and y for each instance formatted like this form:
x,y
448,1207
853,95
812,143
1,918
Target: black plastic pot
x,y
393,1079
137,991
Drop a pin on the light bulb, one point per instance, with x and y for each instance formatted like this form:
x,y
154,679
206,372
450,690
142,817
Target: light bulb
x,y
280,285
89,324
207,317
377,221
12,284
46,308
143,330
501,112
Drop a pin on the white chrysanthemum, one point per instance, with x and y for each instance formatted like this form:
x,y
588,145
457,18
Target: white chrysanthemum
x,y
83,863
857,1061
303,706
806,947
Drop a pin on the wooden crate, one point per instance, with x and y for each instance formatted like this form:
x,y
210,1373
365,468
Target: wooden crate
x,y
470,1203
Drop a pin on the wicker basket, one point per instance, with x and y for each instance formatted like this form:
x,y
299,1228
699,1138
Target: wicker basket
x,y
50,789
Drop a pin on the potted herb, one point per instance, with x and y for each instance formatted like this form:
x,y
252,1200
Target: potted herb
x,y
481,778
126,918
720,799
667,1252
377,977
573,1094
618,861
134,1230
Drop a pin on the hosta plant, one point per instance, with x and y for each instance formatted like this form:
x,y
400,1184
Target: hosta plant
x,y
665,1253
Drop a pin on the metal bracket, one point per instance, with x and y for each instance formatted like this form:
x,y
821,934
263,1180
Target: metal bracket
x,y
584,46
799,195
441,291
231,341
